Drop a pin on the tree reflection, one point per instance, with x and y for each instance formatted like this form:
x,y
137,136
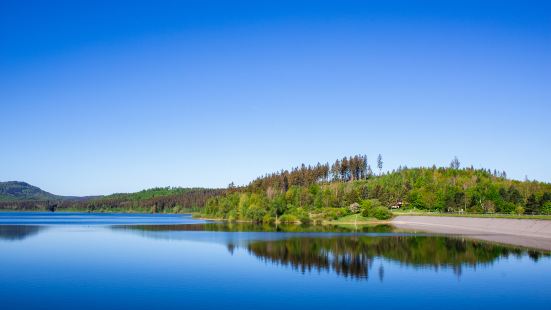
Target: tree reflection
x,y
349,253
18,232
353,256
249,227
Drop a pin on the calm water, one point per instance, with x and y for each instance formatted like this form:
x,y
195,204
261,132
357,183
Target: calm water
x,y
82,261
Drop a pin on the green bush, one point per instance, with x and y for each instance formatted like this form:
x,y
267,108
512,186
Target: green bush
x,y
507,207
305,219
334,213
381,213
255,213
368,205
288,219
374,208
232,216
267,219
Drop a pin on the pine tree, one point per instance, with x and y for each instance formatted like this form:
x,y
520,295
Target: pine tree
x,y
532,205
380,163
369,173
336,170
344,169
455,163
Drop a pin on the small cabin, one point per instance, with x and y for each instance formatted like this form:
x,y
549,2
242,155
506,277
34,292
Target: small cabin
x,y
398,205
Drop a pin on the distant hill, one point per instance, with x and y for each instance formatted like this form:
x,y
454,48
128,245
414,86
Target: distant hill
x,y
21,191
154,200
22,196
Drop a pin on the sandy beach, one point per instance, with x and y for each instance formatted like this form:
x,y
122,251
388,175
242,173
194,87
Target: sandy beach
x,y
521,232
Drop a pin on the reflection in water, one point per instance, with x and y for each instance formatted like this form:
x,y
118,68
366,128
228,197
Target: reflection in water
x,y
340,250
18,232
103,267
248,227
241,234
354,256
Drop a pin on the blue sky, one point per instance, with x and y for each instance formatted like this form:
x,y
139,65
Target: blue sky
x,y
114,96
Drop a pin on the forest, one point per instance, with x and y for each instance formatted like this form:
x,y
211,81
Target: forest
x,y
348,186
155,200
318,193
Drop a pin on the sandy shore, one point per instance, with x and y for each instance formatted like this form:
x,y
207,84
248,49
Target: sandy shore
x,y
521,232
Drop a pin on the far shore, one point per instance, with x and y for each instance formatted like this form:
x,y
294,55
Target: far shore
x,y
525,232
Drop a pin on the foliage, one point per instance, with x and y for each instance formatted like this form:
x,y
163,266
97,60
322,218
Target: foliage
x,y
354,208
331,192
381,213
317,193
289,219
353,218
155,200
347,169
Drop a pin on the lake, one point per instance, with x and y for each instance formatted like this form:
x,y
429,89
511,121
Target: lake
x,y
120,261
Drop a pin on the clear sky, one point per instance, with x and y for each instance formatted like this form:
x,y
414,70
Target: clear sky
x,y
115,96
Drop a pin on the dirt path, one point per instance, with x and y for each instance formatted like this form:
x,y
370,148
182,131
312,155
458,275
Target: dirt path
x,y
522,232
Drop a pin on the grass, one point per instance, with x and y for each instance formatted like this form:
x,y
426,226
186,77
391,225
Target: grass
x,y
487,215
354,219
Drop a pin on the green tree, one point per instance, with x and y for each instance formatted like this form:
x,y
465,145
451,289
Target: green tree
x,y
532,205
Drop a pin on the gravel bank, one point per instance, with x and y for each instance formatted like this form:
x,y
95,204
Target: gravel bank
x,y
522,232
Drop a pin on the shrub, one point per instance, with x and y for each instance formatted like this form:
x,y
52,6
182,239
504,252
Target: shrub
x,y
381,213
267,219
368,205
232,216
288,219
374,208
255,213
301,215
354,208
334,213
489,206
507,207
305,219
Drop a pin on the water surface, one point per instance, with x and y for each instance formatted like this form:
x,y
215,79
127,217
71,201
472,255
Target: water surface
x,y
81,261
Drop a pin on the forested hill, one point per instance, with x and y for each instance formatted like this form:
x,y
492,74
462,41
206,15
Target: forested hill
x,y
319,192
348,186
19,191
155,200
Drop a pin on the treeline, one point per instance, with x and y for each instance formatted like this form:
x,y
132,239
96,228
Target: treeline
x,y
323,192
156,200
346,169
29,205
463,190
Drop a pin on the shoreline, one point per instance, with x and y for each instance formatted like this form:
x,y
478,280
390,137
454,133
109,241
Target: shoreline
x,y
531,233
